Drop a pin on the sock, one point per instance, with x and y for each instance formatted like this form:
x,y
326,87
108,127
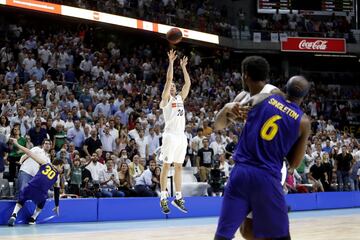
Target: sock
x,y
16,209
36,213
178,195
163,195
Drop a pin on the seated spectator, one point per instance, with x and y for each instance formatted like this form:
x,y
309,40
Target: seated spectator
x,y
135,168
144,183
109,182
126,181
156,181
291,182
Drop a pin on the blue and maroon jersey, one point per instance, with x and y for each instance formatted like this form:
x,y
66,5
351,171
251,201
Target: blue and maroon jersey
x,y
271,129
45,178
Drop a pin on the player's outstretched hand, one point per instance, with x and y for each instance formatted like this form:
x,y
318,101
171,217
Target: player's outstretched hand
x,y
235,111
56,210
172,55
183,62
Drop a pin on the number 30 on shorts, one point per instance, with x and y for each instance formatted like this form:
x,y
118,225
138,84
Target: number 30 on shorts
x,y
270,128
49,172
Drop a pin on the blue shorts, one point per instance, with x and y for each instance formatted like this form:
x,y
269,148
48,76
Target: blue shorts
x,y
253,189
30,193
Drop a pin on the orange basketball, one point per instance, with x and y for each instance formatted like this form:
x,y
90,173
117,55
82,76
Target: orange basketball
x,y
174,35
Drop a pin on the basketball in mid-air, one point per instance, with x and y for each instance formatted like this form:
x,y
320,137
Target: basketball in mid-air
x,y
174,35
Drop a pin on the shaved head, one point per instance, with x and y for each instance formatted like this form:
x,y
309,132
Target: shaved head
x,y
297,87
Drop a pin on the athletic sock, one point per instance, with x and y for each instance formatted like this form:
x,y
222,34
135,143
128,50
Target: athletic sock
x,y
178,195
36,213
16,209
163,195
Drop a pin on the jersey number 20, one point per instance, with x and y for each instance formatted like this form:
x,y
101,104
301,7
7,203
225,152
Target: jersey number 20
x,y
49,172
270,128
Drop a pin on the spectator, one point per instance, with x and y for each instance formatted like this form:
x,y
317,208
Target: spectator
x,y
144,183
75,177
37,134
95,167
107,140
92,143
126,181
109,181
15,154
4,150
318,175
205,160
343,164
135,168
76,135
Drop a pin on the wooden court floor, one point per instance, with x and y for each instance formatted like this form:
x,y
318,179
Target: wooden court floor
x,y
320,225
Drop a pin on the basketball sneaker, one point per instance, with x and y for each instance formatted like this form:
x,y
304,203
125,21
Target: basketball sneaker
x,y
164,206
32,221
179,204
12,220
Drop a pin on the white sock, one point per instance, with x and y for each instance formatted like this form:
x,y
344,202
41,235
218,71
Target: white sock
x,y
178,195
17,209
163,195
36,213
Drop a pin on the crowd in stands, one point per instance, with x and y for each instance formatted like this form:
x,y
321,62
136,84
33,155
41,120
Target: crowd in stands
x,y
100,108
300,25
206,16
199,15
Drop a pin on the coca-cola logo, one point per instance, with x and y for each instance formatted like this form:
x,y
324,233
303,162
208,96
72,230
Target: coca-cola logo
x,y
317,45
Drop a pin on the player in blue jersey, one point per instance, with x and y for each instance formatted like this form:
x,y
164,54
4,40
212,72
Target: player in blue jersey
x,y
37,189
275,128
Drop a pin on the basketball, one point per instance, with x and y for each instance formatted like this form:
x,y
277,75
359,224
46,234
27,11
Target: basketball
x,y
174,35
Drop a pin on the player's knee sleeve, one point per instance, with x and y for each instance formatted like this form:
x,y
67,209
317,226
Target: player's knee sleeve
x,y
220,238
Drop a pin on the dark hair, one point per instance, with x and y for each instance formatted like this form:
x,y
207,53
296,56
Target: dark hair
x,y
256,67
57,162
13,128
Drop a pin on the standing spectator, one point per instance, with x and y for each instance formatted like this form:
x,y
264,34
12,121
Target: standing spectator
x,y
59,137
205,160
134,133
142,146
15,154
132,149
152,143
107,140
109,181
92,143
354,175
37,134
76,136
95,167
343,163
217,146
4,129
75,177
4,149
144,183
197,141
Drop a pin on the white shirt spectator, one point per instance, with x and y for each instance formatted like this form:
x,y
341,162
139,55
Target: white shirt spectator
x,y
108,142
86,66
105,175
152,142
44,54
30,166
28,63
115,133
141,144
95,169
48,83
218,148
62,89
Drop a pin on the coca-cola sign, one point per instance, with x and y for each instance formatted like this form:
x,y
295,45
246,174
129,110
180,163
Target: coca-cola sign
x,y
323,45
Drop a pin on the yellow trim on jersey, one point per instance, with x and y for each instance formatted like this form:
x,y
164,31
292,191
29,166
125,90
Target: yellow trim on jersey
x,y
290,112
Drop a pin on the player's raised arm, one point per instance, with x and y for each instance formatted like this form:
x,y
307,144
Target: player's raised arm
x,y
186,88
28,152
169,78
297,152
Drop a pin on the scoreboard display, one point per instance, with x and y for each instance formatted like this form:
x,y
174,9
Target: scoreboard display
x,y
323,6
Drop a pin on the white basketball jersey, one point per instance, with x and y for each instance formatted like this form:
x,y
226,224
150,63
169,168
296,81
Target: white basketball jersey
x,y
174,115
266,89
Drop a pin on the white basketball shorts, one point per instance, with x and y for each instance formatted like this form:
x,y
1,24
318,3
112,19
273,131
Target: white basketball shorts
x,y
173,148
